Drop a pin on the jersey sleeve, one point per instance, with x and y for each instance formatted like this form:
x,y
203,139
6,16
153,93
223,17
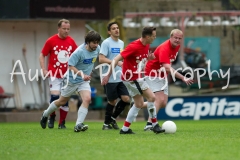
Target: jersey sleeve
x,y
74,45
104,48
163,56
46,48
74,58
127,51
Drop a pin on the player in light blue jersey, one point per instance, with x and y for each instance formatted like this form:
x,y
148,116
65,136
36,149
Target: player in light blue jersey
x,y
80,65
114,89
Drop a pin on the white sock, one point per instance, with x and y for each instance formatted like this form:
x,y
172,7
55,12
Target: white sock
x,y
82,113
151,110
52,107
132,114
124,128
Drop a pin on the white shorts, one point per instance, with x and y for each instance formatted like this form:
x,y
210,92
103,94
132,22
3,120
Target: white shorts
x,y
157,84
132,88
55,84
72,88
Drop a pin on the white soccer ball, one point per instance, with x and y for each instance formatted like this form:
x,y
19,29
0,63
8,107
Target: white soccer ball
x,y
169,126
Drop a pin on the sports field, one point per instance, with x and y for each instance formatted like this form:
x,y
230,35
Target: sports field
x,y
194,140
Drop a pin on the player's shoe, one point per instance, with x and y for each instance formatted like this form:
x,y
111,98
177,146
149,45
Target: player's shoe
x,y
106,127
129,131
114,124
148,128
80,127
43,121
62,125
51,121
157,129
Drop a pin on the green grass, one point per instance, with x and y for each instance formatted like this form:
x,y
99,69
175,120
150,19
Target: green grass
x,y
194,140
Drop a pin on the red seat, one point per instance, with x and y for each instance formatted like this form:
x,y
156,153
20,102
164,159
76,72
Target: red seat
x,y
4,96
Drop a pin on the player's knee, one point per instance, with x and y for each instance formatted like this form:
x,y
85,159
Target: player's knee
x,y
113,102
151,99
125,99
87,100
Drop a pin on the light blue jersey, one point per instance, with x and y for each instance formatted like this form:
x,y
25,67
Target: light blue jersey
x,y
111,49
83,60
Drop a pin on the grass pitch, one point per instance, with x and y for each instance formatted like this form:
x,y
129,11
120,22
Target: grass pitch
x,y
194,140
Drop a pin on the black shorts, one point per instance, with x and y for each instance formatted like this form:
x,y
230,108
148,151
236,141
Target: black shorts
x,y
115,90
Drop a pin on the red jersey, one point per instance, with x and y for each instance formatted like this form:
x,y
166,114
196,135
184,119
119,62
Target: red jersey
x,y
59,51
164,53
135,55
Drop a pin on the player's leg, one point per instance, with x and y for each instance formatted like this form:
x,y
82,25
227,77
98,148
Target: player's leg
x,y
122,103
84,90
52,107
55,87
134,92
65,95
160,89
149,95
63,111
112,96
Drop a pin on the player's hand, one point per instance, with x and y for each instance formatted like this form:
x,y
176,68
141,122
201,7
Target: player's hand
x,y
188,81
45,72
105,80
151,55
86,78
120,63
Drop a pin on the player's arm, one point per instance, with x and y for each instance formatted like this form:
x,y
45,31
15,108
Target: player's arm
x,y
113,64
104,59
72,62
42,63
168,68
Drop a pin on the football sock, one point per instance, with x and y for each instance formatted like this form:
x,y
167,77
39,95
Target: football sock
x,y
63,113
119,108
52,107
152,113
132,114
108,113
53,98
126,126
82,113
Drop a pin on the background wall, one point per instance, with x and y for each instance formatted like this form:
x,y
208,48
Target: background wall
x,y
13,35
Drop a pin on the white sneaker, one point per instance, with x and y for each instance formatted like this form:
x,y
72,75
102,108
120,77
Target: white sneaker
x,y
148,128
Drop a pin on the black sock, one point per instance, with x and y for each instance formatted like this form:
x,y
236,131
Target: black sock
x,y
119,108
108,113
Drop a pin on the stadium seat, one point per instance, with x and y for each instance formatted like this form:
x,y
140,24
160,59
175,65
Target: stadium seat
x,y
4,97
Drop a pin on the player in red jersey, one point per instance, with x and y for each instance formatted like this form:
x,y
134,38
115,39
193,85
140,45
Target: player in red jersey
x,y
58,47
157,69
134,56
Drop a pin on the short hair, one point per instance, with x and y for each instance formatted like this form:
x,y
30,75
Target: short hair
x,y
175,31
110,25
92,36
147,31
62,21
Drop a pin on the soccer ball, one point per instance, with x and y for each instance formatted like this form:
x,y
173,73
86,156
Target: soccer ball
x,y
169,126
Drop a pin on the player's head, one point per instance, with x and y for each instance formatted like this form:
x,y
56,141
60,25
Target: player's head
x,y
63,28
113,29
149,33
176,36
92,39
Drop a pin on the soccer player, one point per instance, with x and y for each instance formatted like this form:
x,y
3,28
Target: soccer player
x,y
115,88
134,57
157,69
80,64
58,47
